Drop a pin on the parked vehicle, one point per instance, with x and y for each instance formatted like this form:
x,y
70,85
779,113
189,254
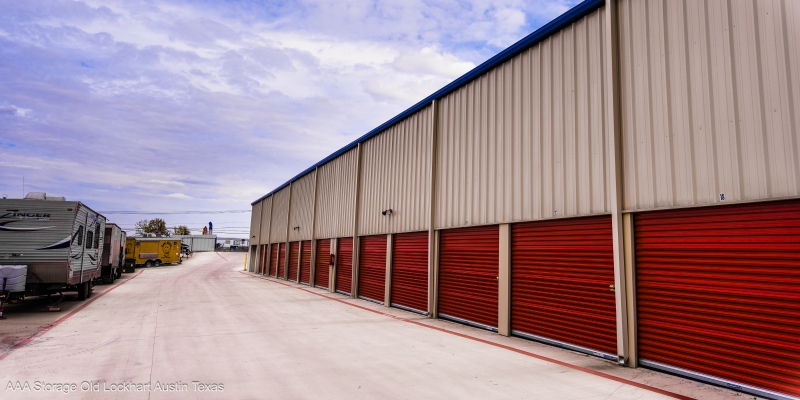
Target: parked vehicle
x,y
130,261
59,241
152,252
113,253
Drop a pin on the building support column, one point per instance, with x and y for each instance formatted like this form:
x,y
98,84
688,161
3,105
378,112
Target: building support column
x,y
356,261
630,288
387,296
333,265
433,235
312,274
612,81
433,277
504,282
356,210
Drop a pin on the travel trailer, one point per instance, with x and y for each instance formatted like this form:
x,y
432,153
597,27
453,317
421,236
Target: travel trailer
x,y
59,241
113,253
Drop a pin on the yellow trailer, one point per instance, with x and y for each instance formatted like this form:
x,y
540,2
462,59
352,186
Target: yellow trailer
x,y
130,260
154,251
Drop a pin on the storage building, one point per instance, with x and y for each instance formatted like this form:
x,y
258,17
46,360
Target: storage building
x,y
624,182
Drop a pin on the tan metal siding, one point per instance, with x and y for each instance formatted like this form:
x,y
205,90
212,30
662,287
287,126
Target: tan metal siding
x,y
528,139
710,100
395,174
280,215
255,223
336,196
266,220
302,211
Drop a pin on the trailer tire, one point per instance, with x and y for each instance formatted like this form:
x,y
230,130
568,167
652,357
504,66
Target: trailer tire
x,y
148,264
157,263
83,289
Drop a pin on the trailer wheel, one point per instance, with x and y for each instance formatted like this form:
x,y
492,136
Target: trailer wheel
x,y
148,264
158,263
83,289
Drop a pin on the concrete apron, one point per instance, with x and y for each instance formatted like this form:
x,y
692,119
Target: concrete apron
x,y
205,321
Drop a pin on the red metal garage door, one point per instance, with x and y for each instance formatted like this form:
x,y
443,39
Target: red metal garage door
x,y
372,268
282,261
560,276
718,293
468,271
321,269
344,266
294,260
305,262
273,263
410,272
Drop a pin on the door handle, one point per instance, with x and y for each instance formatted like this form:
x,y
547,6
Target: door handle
x,y
612,288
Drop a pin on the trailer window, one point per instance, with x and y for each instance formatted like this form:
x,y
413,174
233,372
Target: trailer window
x,y
79,235
89,239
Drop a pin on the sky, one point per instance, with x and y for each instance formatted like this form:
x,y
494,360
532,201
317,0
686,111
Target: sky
x,y
151,106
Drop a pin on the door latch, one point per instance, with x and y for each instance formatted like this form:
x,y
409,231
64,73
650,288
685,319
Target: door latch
x,y
612,288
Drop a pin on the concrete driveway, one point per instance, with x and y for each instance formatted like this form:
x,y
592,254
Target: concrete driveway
x,y
205,329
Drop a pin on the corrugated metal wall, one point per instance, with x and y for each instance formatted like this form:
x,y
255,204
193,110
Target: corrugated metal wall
x,y
395,175
255,223
336,196
528,139
266,220
302,210
280,215
710,101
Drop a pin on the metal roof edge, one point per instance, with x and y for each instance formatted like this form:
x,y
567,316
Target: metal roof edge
x,y
579,11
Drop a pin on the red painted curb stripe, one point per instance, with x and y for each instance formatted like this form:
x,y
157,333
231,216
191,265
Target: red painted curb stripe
x,y
62,319
523,352
221,256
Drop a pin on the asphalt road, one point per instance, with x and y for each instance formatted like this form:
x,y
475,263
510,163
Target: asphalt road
x,y
205,329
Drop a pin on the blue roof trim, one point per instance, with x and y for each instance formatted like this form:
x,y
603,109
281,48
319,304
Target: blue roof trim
x,y
552,27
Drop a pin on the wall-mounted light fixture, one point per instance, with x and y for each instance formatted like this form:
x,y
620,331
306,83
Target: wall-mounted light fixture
x,y
387,212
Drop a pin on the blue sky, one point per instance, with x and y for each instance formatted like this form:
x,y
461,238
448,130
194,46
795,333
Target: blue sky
x,y
207,105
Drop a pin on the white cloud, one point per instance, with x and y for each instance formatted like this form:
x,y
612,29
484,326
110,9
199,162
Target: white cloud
x,y
430,61
224,102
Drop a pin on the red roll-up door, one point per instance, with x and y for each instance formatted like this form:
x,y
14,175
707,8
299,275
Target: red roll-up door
x,y
718,293
561,271
273,263
305,262
468,271
322,262
282,261
344,266
372,268
294,260
410,271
